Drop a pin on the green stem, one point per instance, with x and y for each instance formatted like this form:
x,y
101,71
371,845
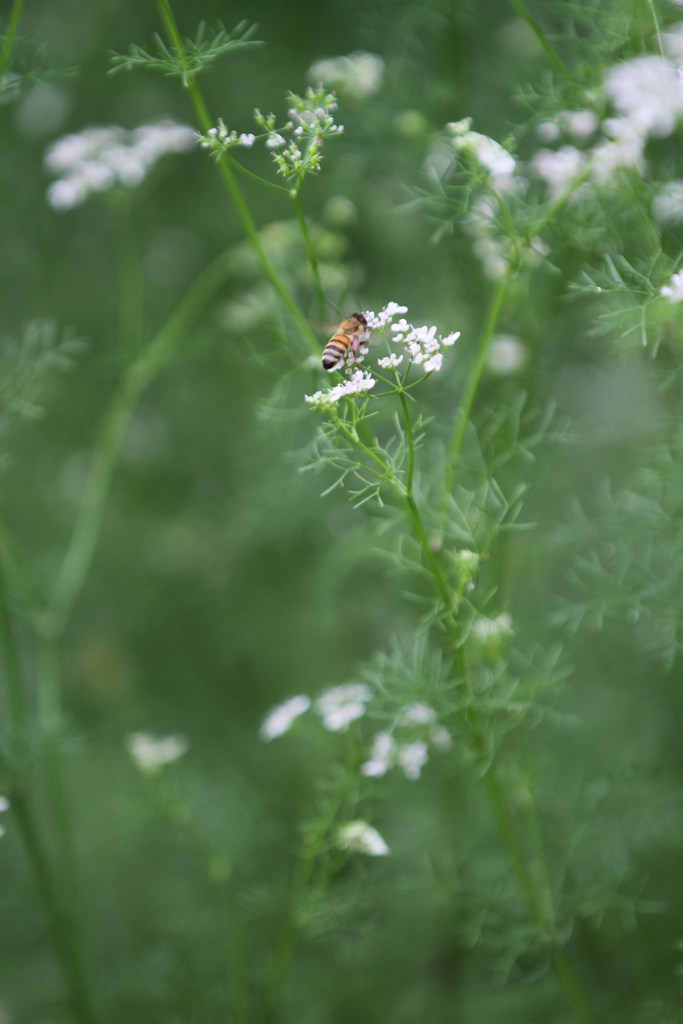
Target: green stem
x,y
21,582
91,513
8,41
322,304
411,441
59,923
523,11
658,30
307,892
234,190
130,282
474,379
515,853
13,675
51,731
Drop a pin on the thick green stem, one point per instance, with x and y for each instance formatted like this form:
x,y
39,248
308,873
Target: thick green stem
x,y
16,697
315,270
474,380
658,31
51,732
308,892
234,190
91,514
8,41
59,919
411,441
130,282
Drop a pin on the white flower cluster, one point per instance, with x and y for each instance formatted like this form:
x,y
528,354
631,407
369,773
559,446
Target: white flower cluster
x,y
338,707
647,96
218,139
296,146
674,291
359,75
359,384
423,345
493,157
150,753
281,718
417,728
97,159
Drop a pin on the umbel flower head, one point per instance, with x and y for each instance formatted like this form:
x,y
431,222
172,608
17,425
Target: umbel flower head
x,y
410,346
98,159
296,146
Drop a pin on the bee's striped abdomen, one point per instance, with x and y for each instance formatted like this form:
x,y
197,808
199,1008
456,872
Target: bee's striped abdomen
x,y
335,351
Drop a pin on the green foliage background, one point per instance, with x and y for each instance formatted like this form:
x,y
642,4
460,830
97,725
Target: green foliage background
x,y
223,582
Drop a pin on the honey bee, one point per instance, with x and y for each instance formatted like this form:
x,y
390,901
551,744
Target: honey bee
x,y
349,334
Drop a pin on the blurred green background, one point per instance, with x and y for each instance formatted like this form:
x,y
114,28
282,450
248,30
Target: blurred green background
x,y
221,576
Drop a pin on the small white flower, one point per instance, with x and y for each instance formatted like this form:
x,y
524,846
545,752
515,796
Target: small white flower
x,y
623,148
668,203
341,705
440,737
493,157
359,837
390,362
558,168
150,753
548,131
420,714
381,756
506,355
674,291
581,123
280,718
485,628
247,139
360,74
275,141
412,757
4,804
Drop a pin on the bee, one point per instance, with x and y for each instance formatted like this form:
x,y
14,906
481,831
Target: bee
x,y
349,334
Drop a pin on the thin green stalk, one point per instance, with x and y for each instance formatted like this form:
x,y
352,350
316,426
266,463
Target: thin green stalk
x,y
8,41
561,966
523,11
20,580
130,282
68,950
315,844
658,30
51,731
16,697
234,190
473,381
315,270
411,441
91,513
515,853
